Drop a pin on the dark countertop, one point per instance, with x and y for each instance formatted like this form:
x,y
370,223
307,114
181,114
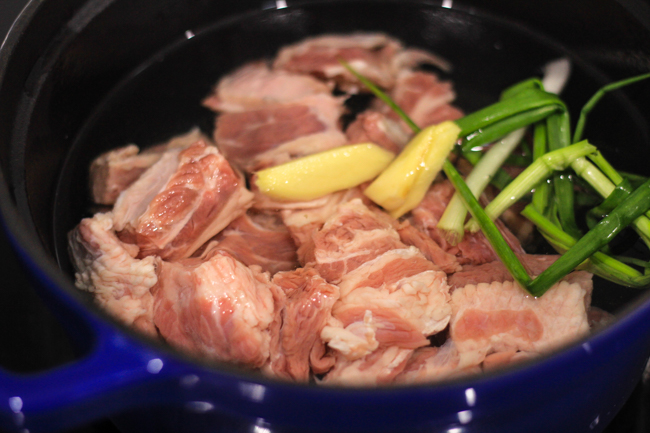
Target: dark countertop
x,y
31,338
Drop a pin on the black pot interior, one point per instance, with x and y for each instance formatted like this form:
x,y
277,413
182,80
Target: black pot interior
x,y
111,98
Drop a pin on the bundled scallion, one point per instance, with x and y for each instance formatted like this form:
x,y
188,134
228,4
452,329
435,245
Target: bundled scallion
x,y
557,160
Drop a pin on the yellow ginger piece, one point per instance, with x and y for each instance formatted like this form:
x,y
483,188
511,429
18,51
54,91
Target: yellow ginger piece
x,y
316,175
402,186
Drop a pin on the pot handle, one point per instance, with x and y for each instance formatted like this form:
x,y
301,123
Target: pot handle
x,y
115,375
115,372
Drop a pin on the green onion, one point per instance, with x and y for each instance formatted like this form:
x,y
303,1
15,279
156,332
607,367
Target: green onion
x,y
620,192
517,88
599,263
488,167
594,177
520,160
559,136
453,219
535,173
632,207
604,166
602,184
527,99
634,179
500,178
526,102
542,190
489,228
490,133
582,120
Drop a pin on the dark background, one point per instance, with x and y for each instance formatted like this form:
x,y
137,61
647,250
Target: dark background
x,y
31,339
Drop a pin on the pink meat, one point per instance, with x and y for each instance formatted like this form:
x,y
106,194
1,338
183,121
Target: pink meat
x,y
296,348
255,86
378,368
201,197
422,96
371,54
503,359
386,270
374,127
216,308
407,297
431,250
391,295
349,238
109,269
497,272
112,172
434,203
304,219
259,239
134,201
428,364
412,58
598,317
275,134
502,317
474,248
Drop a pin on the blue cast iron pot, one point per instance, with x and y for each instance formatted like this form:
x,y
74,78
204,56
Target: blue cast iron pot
x,y
78,77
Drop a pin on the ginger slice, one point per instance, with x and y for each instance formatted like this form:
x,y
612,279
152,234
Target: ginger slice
x,y
322,173
403,184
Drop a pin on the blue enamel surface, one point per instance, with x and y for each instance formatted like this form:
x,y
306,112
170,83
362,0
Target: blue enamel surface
x,y
580,389
147,389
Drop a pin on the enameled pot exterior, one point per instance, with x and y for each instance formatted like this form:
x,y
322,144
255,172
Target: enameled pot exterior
x,y
61,60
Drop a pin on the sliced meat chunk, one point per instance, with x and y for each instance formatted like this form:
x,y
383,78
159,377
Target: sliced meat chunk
x,y
502,359
353,341
134,200
599,317
304,220
502,317
296,349
268,136
200,198
255,86
406,295
474,248
259,239
422,96
391,295
375,127
431,250
112,172
378,368
413,58
371,54
434,363
349,238
109,269
497,271
386,270
216,308
434,203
